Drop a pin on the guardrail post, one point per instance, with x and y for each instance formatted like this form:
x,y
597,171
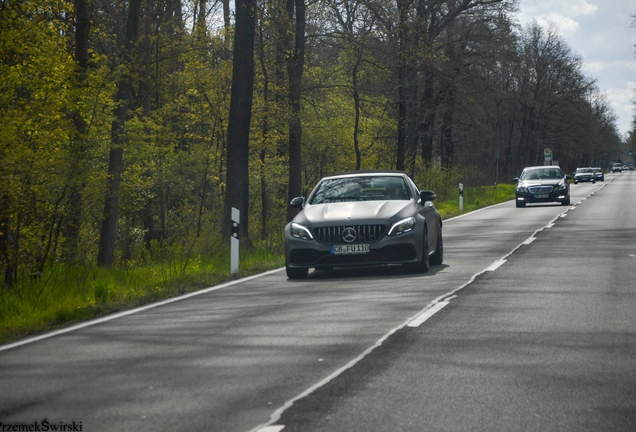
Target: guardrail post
x,y
461,197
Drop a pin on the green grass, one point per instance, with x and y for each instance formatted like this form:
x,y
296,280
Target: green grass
x,y
66,295
476,198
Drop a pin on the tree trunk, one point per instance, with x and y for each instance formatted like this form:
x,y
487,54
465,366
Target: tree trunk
x,y
402,83
295,64
428,108
237,192
108,233
356,100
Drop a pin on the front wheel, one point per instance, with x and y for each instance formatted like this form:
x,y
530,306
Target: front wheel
x,y
520,204
424,264
566,202
438,256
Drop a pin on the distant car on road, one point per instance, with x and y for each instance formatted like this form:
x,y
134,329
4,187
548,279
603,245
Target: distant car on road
x,y
616,167
542,184
598,173
364,218
584,175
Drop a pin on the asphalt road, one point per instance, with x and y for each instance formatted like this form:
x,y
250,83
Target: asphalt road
x,y
537,332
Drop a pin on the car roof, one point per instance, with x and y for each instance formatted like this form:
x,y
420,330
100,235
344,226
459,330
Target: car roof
x,y
531,168
367,173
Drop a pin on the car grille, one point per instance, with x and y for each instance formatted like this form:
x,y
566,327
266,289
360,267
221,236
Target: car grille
x,y
540,189
363,233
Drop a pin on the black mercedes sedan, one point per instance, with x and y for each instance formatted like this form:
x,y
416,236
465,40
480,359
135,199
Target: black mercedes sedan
x,y
364,218
542,184
585,175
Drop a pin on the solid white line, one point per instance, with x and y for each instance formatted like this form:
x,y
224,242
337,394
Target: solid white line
x,y
427,314
494,266
273,428
529,240
134,311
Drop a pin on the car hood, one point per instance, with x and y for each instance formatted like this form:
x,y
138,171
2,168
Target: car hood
x,y
355,212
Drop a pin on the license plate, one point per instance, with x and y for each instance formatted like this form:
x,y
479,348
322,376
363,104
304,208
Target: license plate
x,y
350,249
542,196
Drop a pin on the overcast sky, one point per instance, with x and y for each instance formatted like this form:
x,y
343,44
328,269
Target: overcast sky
x,y
600,32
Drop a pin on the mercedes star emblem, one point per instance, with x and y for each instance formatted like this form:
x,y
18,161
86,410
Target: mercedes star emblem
x,y
349,234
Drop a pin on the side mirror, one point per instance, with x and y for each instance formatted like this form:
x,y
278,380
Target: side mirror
x,y
568,177
297,202
515,180
427,196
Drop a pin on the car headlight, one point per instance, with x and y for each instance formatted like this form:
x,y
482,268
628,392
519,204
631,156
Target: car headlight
x,y
300,232
562,186
405,225
522,189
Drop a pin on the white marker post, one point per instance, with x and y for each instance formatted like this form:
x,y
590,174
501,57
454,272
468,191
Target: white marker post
x,y
234,241
461,197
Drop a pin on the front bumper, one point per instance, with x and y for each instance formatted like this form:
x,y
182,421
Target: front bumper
x,y
586,178
555,196
399,249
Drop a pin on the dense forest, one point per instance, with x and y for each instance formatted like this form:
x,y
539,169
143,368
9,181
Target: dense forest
x,y
129,128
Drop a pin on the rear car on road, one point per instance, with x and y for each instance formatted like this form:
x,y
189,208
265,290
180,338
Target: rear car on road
x,y
364,218
542,184
584,175
598,174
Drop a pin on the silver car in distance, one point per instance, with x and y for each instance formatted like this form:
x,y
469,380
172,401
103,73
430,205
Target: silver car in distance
x,y
364,218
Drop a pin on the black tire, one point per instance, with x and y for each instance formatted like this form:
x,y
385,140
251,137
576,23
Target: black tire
x,y
566,202
296,273
520,204
438,256
425,263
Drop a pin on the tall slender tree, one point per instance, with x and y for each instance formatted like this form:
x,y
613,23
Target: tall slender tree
x,y
295,61
238,134
106,253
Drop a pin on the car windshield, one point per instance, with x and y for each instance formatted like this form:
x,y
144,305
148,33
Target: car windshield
x,y
367,188
584,170
542,173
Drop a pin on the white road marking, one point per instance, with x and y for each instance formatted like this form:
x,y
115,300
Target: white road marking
x,y
494,266
427,314
273,428
529,240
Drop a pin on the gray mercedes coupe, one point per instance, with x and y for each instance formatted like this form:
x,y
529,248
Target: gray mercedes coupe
x,y
364,218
